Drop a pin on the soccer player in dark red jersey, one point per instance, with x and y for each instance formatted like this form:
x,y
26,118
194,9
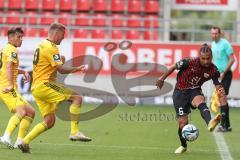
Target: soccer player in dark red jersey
x,y
188,94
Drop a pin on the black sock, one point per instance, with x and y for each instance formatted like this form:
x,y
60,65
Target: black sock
x,y
183,141
205,113
224,110
227,117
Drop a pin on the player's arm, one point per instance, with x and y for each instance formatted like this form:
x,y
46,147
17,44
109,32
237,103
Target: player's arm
x,y
229,51
161,80
65,70
9,77
180,65
58,61
25,74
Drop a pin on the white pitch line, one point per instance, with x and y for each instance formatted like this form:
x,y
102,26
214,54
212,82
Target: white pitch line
x,y
123,147
222,146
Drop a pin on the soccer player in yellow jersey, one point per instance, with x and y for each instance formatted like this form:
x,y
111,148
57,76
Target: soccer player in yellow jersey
x,y
47,92
23,113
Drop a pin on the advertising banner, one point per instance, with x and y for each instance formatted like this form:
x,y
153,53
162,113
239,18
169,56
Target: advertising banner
x,y
210,5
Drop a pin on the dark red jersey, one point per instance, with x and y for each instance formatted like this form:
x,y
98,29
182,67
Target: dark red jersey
x,y
192,74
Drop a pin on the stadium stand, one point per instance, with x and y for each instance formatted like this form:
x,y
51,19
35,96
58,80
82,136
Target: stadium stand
x,y
49,5
66,5
83,5
117,19
135,6
31,5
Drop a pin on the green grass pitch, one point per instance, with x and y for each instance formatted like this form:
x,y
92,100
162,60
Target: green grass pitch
x,y
126,133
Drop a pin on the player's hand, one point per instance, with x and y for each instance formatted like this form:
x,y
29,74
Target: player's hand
x,y
63,59
8,89
82,68
160,83
220,90
27,77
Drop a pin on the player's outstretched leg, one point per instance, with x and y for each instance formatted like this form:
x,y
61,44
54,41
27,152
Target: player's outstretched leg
x,y
206,115
49,121
214,122
74,110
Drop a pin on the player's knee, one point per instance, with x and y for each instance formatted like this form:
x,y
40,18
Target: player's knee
x,y
31,112
50,121
21,111
77,99
50,124
182,122
197,101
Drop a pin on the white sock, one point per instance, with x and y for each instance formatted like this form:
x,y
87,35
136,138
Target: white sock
x,y
6,136
18,141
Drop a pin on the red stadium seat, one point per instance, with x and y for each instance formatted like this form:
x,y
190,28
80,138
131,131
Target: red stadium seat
x,y
5,30
43,32
117,34
49,4
99,34
31,32
14,4
151,6
31,4
132,34
150,35
82,19
30,18
117,20
66,5
134,20
1,18
47,18
100,5
80,33
151,21
13,17
135,6
65,18
117,5
99,20
83,5
2,4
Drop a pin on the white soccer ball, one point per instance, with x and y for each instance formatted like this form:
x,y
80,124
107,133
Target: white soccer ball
x,y
190,132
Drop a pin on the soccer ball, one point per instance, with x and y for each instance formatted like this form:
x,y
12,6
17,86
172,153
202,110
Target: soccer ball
x,y
190,132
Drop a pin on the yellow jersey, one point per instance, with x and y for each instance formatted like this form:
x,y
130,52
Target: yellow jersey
x,y
45,62
9,53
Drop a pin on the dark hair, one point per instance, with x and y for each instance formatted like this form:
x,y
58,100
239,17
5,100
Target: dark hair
x,y
218,28
14,30
205,49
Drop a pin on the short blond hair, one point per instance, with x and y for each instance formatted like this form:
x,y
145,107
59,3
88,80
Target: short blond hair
x,y
57,27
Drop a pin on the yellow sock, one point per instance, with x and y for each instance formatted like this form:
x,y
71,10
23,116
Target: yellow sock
x,y
13,123
24,126
37,130
75,112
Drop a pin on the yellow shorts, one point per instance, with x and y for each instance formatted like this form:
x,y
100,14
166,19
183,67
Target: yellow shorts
x,y
13,99
48,94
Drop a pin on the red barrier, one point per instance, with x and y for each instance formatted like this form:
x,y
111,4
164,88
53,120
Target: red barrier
x,y
165,54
